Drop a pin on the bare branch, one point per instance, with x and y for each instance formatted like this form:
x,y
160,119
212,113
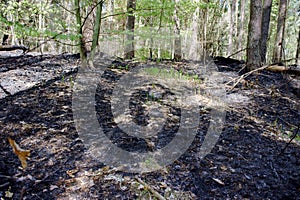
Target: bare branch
x,y
125,12
93,8
237,52
46,41
63,7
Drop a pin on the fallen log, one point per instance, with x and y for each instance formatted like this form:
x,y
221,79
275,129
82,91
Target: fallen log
x,y
274,68
13,47
284,69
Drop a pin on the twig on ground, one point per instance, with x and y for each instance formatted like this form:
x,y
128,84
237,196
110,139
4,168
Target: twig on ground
x,y
23,190
292,138
243,67
4,90
7,177
155,193
4,185
50,174
246,75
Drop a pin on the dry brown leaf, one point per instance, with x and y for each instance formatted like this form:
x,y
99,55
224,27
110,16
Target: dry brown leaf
x,y
72,172
21,153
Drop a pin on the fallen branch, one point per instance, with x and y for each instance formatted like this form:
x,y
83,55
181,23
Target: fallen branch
x,y
4,184
4,90
272,68
289,70
292,138
246,75
155,193
12,47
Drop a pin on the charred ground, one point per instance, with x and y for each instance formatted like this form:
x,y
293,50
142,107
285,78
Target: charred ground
x,y
246,163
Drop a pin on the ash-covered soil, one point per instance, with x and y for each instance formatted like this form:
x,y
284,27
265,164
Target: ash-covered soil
x,y
247,162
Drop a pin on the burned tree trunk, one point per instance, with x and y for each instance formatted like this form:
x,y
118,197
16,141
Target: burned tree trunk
x,y
13,47
5,39
129,46
254,35
278,47
241,26
298,50
267,8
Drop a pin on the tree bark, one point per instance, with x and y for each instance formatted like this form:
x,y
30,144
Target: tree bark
x,y
82,48
194,39
241,26
177,44
298,50
284,69
232,8
110,9
5,39
13,47
96,31
129,46
278,47
267,8
254,35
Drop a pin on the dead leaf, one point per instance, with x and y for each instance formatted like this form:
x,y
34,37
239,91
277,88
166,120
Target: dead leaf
x,y
9,194
72,172
21,153
223,168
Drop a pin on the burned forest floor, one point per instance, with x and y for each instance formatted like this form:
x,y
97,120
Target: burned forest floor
x,y
247,161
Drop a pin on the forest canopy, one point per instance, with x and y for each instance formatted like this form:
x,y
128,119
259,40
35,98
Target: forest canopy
x,y
222,26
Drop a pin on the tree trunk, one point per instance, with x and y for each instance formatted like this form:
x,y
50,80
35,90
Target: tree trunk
x,y
278,47
129,46
82,48
5,39
298,49
96,31
110,9
254,35
241,26
193,51
265,28
232,8
177,44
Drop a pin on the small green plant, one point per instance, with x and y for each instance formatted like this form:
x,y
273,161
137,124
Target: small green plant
x,y
236,127
153,85
152,96
158,60
71,81
291,133
147,98
180,73
171,74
